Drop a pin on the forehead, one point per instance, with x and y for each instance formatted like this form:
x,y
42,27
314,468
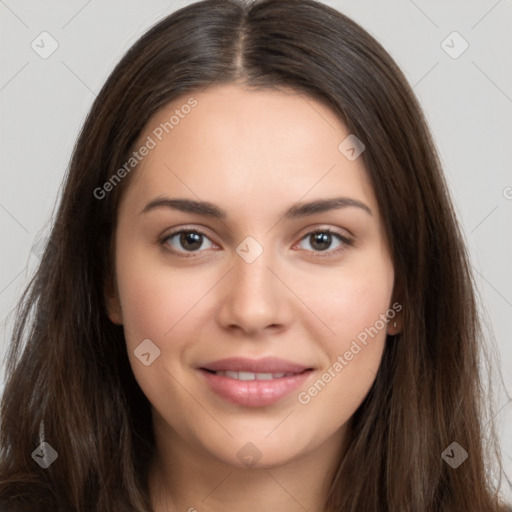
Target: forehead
x,y
253,148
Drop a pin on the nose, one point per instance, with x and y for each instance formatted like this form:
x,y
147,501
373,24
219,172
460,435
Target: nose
x,y
254,297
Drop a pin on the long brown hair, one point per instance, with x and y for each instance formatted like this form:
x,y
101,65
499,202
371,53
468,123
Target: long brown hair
x,y
69,380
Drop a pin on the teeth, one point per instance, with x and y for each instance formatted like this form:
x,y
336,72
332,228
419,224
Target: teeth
x,y
246,376
265,376
252,375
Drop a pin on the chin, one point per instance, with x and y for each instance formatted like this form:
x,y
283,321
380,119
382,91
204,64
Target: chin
x,y
260,453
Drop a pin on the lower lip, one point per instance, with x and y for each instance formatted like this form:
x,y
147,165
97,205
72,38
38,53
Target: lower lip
x,y
254,393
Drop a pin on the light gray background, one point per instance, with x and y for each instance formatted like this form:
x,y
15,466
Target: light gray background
x,y
467,100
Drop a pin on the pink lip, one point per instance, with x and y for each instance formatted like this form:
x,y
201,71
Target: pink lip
x,y
254,393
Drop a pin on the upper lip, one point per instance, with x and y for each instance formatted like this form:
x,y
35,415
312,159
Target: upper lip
x,y
264,365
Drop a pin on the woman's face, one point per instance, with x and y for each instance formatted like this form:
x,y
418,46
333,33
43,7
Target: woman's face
x,y
289,299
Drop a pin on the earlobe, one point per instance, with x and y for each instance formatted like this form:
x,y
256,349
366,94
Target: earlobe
x,y
113,304
115,318
395,325
395,318
395,314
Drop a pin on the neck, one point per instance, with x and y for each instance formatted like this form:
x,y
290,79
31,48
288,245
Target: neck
x,y
183,479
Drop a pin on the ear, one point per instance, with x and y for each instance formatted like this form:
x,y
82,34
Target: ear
x,y
112,302
395,323
395,314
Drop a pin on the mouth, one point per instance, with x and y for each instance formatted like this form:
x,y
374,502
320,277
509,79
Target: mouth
x,y
254,383
241,375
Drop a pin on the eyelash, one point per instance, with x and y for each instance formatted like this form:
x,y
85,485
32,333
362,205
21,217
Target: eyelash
x,y
346,242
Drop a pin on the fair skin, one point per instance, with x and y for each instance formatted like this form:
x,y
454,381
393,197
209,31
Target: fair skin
x,y
253,154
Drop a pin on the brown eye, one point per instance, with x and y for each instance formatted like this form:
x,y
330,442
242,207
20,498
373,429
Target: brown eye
x,y
191,240
320,241
187,241
325,240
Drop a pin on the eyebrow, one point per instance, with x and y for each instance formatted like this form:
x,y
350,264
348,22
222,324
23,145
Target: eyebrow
x,y
211,210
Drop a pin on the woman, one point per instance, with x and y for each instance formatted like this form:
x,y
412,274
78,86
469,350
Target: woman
x,y
255,295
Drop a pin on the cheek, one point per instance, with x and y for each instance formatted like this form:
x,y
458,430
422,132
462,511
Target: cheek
x,y
353,305
163,306
351,301
155,299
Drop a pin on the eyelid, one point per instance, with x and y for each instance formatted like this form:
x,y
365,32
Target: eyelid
x,y
344,234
